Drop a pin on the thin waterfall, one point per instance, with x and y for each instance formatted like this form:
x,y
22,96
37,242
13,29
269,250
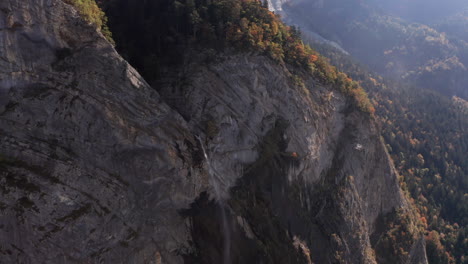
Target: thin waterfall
x,y
216,182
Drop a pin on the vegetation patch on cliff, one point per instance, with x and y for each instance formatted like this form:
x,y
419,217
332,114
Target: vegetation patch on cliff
x,y
171,27
92,14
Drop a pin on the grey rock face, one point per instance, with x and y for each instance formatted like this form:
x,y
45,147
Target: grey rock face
x,y
245,95
94,164
96,167
336,144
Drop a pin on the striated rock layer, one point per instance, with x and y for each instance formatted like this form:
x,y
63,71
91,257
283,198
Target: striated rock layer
x,y
244,166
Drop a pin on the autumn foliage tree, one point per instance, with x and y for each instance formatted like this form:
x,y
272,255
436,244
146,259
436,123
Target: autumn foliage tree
x,y
243,25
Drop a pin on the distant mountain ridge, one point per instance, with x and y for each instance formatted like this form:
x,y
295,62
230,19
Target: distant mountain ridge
x,y
393,47
421,11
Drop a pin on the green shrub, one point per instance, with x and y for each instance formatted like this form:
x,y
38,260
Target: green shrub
x,y
92,14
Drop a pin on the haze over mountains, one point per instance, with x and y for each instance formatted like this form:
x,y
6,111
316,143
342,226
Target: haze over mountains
x,y
372,32
426,12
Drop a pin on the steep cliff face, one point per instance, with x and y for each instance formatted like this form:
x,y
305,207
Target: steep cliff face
x,y
94,164
231,161
308,164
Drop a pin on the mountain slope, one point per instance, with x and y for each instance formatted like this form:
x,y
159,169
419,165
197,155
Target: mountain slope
x,y
97,167
416,53
426,12
425,133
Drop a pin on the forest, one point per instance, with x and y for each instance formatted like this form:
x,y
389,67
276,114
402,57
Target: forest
x,y
243,26
426,136
418,54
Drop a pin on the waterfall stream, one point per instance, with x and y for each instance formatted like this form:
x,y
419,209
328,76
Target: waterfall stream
x,y
216,182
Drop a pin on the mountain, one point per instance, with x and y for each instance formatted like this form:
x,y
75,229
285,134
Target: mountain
x,y
455,25
425,12
248,147
425,131
390,45
425,134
